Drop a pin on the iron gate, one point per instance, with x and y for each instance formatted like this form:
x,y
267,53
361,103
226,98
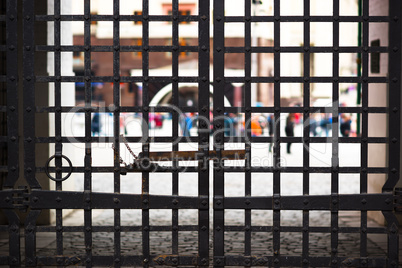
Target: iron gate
x,y
35,199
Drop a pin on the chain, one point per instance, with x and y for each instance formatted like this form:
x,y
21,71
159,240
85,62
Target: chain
x,y
128,148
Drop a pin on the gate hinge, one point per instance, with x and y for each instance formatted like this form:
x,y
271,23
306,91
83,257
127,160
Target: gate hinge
x,y
21,198
398,200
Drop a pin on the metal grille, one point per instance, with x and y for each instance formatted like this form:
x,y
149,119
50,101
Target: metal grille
x,y
36,199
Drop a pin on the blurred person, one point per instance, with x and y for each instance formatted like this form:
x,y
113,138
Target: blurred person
x,y
345,125
158,120
256,129
325,124
313,125
95,124
271,129
289,129
186,125
230,122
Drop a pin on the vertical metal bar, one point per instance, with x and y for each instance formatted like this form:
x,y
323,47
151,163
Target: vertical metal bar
x,y
364,129
29,94
335,138
30,237
145,131
218,106
12,94
277,146
88,147
175,125
203,130
248,118
116,126
394,117
12,127
29,125
306,129
57,121
13,238
394,94
359,65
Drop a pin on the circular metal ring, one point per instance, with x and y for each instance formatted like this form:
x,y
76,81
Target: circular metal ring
x,y
63,178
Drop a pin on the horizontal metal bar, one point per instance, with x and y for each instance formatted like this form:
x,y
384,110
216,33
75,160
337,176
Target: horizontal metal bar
x,y
345,202
256,169
167,109
310,49
111,229
107,109
300,79
42,48
311,109
300,229
124,260
121,79
194,155
297,261
195,79
78,200
308,18
112,18
109,139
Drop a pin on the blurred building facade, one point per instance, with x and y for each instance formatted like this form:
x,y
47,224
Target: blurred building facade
x,y
262,35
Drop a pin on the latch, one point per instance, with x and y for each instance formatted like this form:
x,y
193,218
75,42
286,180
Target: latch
x,y
398,200
18,198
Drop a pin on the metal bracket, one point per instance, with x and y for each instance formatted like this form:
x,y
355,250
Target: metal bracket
x,y
398,200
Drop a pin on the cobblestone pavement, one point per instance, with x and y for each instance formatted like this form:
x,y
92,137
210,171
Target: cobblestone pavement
x,y
161,242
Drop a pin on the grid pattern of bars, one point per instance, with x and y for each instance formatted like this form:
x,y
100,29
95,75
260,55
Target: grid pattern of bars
x,y
60,200
335,202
